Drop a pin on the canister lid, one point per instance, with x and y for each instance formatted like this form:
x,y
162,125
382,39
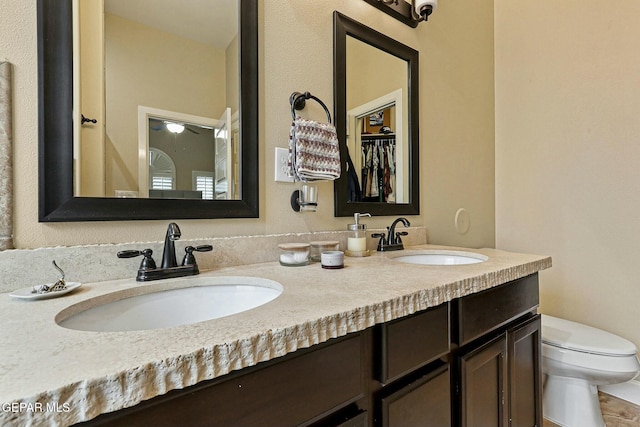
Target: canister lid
x,y
324,244
296,247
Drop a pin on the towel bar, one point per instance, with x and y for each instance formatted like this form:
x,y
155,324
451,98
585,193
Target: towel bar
x,y
298,102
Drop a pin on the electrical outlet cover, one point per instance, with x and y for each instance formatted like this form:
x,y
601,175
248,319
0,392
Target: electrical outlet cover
x,y
281,168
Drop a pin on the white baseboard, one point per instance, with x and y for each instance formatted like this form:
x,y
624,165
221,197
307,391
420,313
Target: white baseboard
x,y
629,391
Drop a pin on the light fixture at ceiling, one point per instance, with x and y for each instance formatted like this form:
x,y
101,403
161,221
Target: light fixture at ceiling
x,y
422,9
174,127
411,12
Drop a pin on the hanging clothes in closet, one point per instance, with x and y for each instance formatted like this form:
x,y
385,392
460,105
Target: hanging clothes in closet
x,y
378,168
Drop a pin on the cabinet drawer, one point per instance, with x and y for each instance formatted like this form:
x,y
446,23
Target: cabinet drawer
x,y
411,342
360,420
478,314
425,402
296,390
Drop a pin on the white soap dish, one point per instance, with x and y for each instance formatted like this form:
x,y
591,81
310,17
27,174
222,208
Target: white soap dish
x,y
29,294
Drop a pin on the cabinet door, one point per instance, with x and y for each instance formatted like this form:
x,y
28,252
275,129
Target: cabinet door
x,y
483,384
425,402
525,378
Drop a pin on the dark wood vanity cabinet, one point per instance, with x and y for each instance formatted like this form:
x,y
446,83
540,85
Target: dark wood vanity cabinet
x,y
471,362
499,382
499,378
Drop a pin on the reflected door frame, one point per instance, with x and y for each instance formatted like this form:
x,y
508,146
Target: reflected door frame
x,y
393,99
144,114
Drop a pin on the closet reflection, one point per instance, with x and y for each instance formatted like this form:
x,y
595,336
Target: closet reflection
x,y
378,169
377,116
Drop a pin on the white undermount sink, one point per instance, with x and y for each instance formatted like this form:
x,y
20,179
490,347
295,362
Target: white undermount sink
x,y
435,257
189,301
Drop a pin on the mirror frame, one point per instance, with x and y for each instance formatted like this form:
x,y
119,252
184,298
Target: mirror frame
x,y
344,26
56,201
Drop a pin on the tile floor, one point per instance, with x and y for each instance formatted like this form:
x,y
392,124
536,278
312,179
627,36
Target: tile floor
x,y
616,412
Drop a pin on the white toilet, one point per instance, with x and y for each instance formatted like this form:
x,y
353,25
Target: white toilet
x,y
577,358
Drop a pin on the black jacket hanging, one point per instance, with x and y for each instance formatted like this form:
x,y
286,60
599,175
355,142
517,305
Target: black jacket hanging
x,y
354,192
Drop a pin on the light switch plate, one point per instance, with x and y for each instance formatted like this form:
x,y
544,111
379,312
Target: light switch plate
x,y
282,170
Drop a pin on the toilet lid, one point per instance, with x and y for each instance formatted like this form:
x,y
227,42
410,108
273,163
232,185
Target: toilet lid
x,y
576,336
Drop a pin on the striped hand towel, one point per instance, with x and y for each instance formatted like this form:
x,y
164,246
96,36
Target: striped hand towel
x,y
314,154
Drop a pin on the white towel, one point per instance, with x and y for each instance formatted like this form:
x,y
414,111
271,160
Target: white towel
x,y
314,153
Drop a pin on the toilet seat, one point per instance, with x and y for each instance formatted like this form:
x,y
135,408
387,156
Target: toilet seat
x,y
599,368
568,335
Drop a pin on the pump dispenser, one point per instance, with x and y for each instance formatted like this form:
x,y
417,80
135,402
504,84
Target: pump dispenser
x,y
357,239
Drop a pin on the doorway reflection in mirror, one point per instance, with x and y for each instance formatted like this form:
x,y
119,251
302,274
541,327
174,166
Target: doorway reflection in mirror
x,y
132,53
187,157
377,121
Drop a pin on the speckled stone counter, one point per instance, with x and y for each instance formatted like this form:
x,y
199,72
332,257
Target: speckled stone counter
x,y
55,376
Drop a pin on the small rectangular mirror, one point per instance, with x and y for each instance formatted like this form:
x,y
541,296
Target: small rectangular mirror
x,y
376,116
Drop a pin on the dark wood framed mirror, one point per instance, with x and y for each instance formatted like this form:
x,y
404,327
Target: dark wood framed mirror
x,y
57,202
375,112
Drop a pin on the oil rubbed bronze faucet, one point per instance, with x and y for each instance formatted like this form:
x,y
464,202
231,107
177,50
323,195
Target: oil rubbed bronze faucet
x,y
392,241
169,252
169,267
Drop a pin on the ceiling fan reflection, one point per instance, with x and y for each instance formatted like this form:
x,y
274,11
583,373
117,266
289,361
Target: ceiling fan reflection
x,y
173,127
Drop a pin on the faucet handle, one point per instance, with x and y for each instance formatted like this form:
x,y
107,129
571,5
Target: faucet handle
x,y
381,242
398,238
147,262
189,259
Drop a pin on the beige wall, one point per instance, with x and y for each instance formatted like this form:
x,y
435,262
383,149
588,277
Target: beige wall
x,y
567,152
456,120
372,73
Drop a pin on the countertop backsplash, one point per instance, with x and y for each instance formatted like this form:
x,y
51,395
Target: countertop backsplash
x,y
94,263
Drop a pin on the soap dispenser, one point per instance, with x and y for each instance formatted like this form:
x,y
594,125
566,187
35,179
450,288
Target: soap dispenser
x,y
357,239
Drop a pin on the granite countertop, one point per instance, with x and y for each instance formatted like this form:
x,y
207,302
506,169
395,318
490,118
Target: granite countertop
x,y
57,376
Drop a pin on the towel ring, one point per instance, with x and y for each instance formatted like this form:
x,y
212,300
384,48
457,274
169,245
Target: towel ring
x,y
298,102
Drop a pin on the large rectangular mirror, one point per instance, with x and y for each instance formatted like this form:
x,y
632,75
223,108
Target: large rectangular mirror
x,y
176,132
376,116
